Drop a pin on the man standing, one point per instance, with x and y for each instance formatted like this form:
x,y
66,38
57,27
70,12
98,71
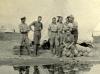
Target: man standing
x,y
74,27
60,35
52,31
67,25
24,29
38,26
60,29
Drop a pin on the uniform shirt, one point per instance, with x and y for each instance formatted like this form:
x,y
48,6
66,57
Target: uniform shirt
x,y
72,26
60,27
75,28
23,27
75,25
38,26
53,27
67,26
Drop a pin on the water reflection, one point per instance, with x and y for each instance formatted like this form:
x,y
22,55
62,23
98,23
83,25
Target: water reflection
x,y
63,68
22,69
68,68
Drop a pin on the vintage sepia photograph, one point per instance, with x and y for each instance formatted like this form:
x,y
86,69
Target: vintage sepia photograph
x,y
49,36
67,68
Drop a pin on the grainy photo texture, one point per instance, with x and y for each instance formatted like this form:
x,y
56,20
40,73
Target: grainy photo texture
x,y
49,36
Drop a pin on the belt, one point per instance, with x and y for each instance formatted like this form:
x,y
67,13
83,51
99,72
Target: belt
x,y
54,31
23,32
37,30
60,32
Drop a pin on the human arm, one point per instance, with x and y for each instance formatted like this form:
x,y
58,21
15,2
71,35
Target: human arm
x,y
70,45
75,25
49,30
28,29
41,26
72,41
20,28
32,24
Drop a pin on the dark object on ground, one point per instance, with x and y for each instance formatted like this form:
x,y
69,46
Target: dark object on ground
x,y
86,44
32,43
45,45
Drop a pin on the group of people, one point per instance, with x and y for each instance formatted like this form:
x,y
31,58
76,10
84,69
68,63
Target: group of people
x,y
65,68
24,29
61,35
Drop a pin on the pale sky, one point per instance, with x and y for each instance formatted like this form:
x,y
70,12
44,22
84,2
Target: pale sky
x,y
86,12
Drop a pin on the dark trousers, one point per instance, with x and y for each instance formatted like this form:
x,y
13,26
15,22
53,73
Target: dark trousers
x,y
36,48
76,38
75,33
37,37
60,50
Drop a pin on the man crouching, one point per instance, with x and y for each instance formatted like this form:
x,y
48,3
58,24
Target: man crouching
x,y
69,46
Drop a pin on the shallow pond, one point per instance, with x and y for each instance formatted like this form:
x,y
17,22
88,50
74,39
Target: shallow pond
x,y
71,68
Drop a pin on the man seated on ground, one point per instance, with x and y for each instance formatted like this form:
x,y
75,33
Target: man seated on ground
x,y
69,46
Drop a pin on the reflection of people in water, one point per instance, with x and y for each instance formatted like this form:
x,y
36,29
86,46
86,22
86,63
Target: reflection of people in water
x,y
72,67
51,70
22,69
36,70
60,70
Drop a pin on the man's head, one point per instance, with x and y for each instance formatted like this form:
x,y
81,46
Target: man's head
x,y
66,19
58,18
61,19
53,20
23,19
39,18
70,18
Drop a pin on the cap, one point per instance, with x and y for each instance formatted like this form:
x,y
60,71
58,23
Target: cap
x,y
59,16
23,18
54,18
39,16
70,16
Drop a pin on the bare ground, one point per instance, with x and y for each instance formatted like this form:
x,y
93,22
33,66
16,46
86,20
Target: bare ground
x,y
8,58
